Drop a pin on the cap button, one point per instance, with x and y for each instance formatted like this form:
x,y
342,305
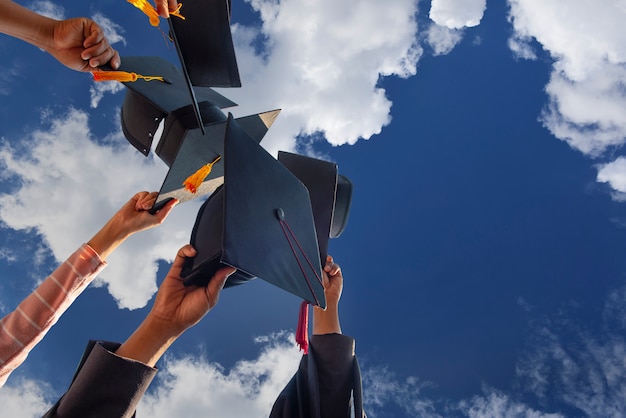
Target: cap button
x,y
280,214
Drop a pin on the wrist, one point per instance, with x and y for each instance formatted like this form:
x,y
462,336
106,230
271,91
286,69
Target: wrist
x,y
326,321
109,237
149,342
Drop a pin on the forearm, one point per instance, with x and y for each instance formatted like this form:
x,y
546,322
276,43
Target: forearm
x,y
107,239
23,328
148,343
24,24
326,322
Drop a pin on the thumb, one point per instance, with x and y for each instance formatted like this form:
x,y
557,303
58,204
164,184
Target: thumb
x,y
217,282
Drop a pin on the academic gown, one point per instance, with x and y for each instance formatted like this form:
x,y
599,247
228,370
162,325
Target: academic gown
x,y
105,385
326,382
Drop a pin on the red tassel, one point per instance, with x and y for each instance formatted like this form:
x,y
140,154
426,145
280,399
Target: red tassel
x,y
302,332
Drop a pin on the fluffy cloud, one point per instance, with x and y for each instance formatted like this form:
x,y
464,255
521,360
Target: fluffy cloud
x,y
24,400
587,99
382,387
68,185
49,9
248,389
321,63
112,30
614,173
573,367
457,14
497,404
442,39
99,89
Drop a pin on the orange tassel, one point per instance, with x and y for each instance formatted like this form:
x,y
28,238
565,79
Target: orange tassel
x,y
122,76
195,180
151,11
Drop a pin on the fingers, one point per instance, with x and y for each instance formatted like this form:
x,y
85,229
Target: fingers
x,y
144,200
164,7
165,210
97,49
182,254
331,268
179,261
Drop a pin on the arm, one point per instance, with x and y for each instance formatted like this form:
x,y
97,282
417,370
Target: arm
x,y
112,379
77,43
176,308
327,321
323,384
23,328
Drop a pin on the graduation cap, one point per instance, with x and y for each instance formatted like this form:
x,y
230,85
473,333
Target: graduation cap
x,y
192,140
259,221
330,193
183,146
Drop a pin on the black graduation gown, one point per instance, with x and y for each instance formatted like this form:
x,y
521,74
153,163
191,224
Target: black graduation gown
x,y
326,382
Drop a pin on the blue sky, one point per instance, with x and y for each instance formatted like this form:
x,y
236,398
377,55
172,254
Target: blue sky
x,y
483,258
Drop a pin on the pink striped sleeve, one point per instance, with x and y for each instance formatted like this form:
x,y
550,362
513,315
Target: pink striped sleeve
x,y
23,328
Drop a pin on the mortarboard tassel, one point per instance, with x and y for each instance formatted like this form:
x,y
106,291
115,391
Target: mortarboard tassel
x,y
302,332
122,76
195,180
151,12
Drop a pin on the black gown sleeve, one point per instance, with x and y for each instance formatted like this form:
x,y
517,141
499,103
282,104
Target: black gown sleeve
x,y
326,381
104,385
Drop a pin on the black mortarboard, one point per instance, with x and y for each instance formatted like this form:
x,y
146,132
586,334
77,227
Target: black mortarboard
x,y
259,221
204,43
183,146
330,192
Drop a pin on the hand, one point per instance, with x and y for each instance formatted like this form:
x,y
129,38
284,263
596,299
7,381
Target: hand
x,y
79,44
332,280
133,217
164,7
178,307
327,321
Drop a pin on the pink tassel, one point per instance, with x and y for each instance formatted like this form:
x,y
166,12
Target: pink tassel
x,y
302,332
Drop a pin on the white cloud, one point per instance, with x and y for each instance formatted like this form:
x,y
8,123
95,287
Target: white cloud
x,y
193,386
572,367
24,399
587,41
581,36
497,404
69,185
382,387
457,14
321,64
442,39
98,89
48,8
614,173
522,48
112,31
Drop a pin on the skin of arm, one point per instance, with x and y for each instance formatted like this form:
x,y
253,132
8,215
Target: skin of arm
x,y
176,308
327,321
78,43
132,217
